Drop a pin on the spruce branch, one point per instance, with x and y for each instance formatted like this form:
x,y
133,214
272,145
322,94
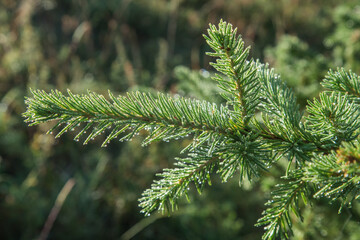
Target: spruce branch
x,y
278,101
164,193
333,118
285,200
163,116
245,156
240,80
260,123
343,81
252,87
281,116
336,176
281,120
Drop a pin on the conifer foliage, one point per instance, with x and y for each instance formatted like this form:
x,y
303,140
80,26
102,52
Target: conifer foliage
x,y
259,124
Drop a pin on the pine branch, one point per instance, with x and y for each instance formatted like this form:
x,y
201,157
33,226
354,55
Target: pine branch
x,y
333,119
336,176
286,196
164,193
230,139
279,102
281,120
251,86
163,116
344,82
246,156
240,81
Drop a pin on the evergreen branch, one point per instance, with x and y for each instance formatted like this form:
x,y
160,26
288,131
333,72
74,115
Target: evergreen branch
x,y
240,83
163,116
245,155
344,82
227,140
279,104
336,175
280,124
283,129
256,83
164,193
333,119
285,200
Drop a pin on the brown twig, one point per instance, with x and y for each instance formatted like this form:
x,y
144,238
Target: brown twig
x,y
56,208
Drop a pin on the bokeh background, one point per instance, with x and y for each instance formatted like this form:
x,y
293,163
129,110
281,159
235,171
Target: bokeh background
x,y
60,189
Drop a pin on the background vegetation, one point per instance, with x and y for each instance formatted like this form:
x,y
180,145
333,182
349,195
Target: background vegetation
x,y
148,44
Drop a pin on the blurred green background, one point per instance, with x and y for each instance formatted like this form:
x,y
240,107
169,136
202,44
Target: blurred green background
x,y
150,45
